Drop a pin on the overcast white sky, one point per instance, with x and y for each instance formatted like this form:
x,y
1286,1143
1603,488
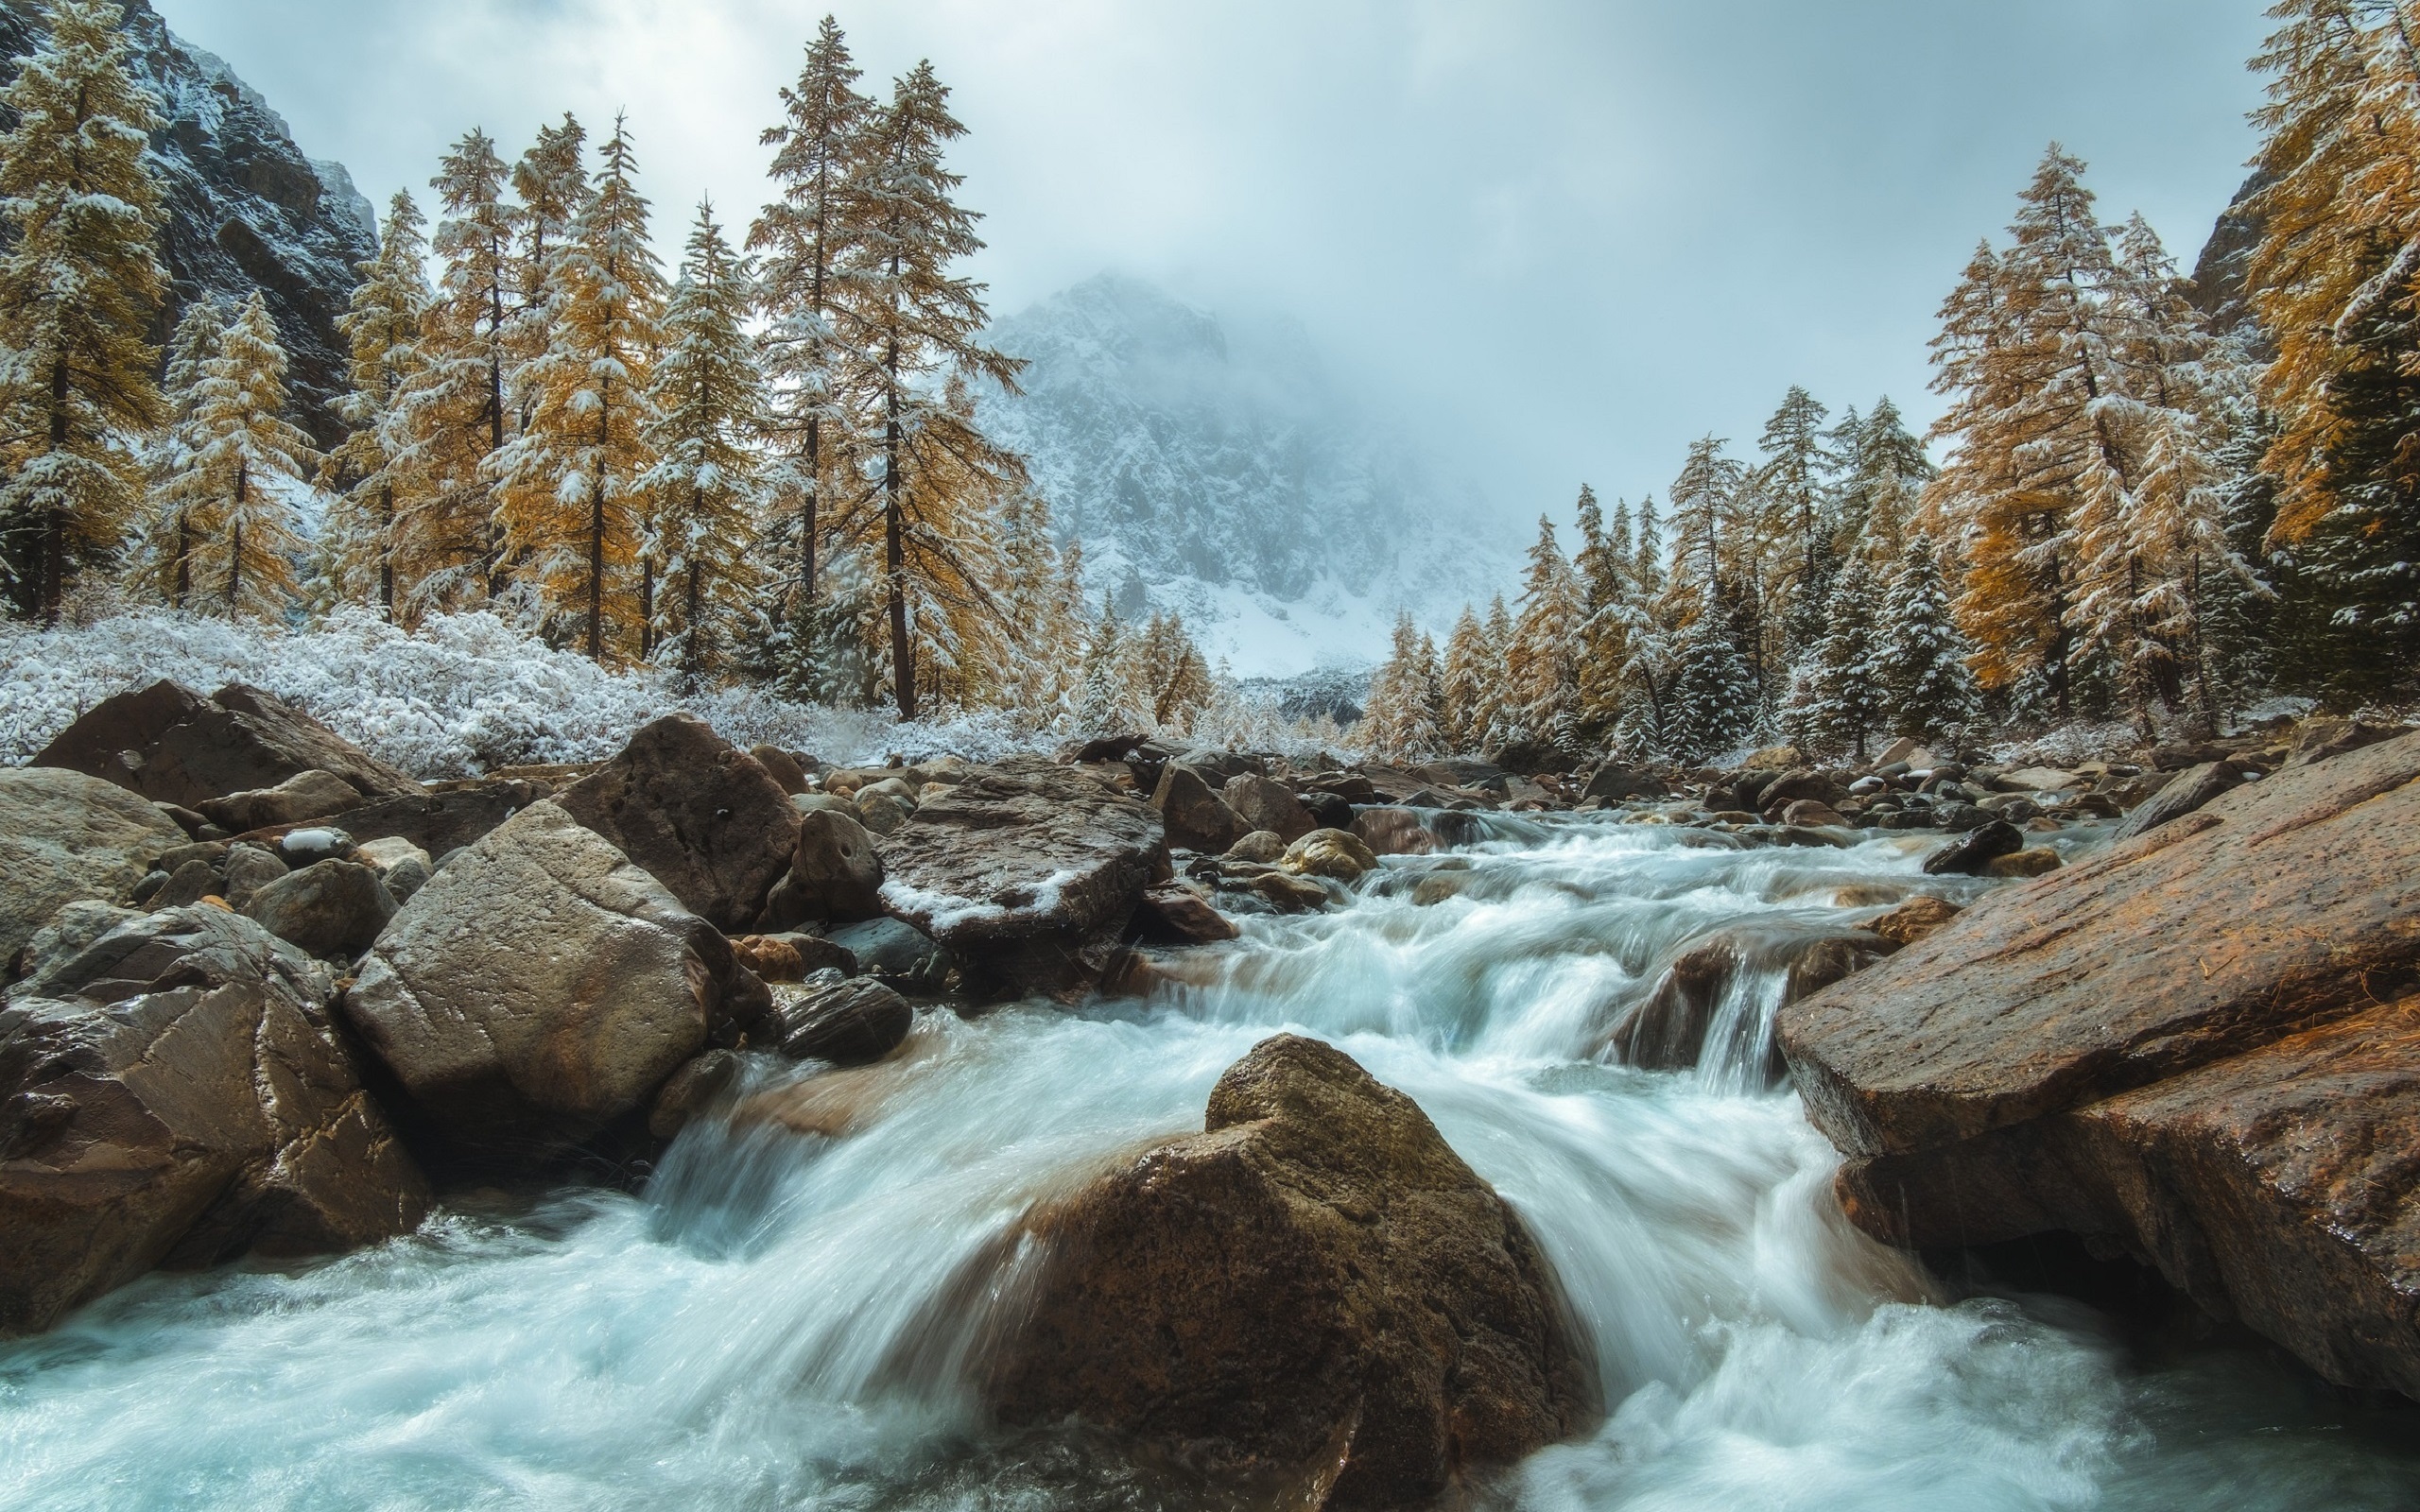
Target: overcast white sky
x,y
1560,238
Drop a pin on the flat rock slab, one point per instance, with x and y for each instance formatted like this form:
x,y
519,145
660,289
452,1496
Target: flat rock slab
x,y
1026,872
2280,1188
171,744
2285,903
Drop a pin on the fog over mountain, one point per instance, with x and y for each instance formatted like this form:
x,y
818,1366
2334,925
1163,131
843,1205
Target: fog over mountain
x,y
1216,468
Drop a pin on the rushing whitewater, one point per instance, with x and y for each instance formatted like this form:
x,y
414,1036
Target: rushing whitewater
x,y
785,1320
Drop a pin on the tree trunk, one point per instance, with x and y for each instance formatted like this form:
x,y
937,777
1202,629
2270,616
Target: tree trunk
x,y
692,651
54,520
646,608
235,543
895,538
184,558
387,552
597,571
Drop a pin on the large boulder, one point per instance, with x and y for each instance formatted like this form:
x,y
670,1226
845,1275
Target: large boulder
x,y
1315,1288
702,817
1197,817
175,1094
542,985
2182,793
1026,872
1263,804
330,909
835,875
2177,1046
171,744
65,837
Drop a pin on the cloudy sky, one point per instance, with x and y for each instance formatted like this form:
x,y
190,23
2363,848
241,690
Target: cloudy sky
x,y
1557,239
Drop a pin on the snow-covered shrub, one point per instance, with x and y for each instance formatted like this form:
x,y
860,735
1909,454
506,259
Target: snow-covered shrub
x,y
464,694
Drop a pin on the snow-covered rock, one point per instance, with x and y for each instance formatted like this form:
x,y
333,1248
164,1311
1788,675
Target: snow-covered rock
x,y
1219,471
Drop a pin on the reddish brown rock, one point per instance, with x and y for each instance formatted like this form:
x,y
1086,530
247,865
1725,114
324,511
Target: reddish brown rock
x,y
1177,914
2178,1045
1912,920
704,819
2285,902
171,744
1316,1287
2280,1188
1669,1029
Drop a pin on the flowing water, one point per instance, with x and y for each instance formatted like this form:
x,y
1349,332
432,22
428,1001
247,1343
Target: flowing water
x,y
784,1321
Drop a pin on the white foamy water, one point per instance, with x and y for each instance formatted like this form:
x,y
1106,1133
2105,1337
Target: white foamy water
x,y
788,1321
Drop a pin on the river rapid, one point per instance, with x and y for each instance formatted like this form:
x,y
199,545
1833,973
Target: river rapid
x,y
787,1321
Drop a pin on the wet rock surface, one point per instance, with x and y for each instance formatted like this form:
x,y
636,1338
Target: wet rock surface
x,y
1315,1288
1026,872
174,1092
2196,1044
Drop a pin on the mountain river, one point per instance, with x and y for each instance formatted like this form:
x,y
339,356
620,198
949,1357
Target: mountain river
x,y
777,1320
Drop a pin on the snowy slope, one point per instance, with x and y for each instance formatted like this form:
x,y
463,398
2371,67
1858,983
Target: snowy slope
x,y
245,208
1216,470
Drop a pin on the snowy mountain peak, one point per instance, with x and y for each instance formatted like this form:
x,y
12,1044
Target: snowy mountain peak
x,y
1216,468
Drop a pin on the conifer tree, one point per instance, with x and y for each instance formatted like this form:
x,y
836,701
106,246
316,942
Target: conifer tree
x,y
1602,567
2336,283
1043,604
2025,353
907,319
551,192
567,488
706,491
1105,701
1402,720
1499,707
80,281
2143,556
251,460
1542,663
452,416
1167,672
1846,683
1792,483
180,495
805,240
1884,476
1712,699
382,331
1927,690
1462,693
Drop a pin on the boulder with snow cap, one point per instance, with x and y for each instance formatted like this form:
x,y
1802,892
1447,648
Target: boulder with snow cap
x,y
1027,872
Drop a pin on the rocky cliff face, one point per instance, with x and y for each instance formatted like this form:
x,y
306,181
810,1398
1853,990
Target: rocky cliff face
x,y
2220,286
245,208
